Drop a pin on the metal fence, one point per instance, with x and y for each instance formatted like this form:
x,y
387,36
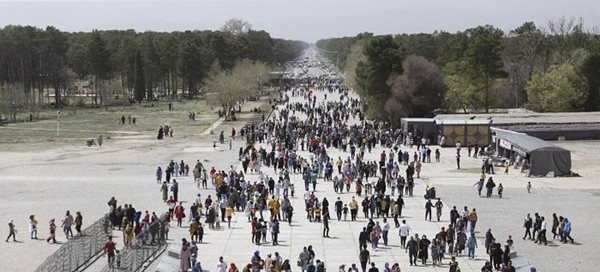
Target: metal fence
x,y
146,246
80,251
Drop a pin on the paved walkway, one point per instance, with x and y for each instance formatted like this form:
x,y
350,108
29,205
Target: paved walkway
x,y
235,243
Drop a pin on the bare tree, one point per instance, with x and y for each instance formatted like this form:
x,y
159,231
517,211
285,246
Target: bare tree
x,y
567,34
356,55
227,87
12,101
107,89
236,26
418,91
522,59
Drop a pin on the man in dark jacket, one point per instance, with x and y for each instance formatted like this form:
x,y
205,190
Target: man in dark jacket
x,y
338,208
363,237
527,224
364,257
412,251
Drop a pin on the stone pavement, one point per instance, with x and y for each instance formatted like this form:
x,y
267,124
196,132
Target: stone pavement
x,y
235,243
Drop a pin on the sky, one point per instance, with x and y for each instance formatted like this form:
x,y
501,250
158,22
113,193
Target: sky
x,y
307,20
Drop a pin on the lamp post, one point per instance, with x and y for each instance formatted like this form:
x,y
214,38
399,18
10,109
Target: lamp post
x,y
57,123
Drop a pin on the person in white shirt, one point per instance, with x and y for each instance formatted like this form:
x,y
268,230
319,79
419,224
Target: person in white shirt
x,y
306,197
221,265
384,231
542,234
404,232
278,189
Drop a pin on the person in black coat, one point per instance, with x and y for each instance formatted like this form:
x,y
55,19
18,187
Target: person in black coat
x,y
363,238
412,251
424,249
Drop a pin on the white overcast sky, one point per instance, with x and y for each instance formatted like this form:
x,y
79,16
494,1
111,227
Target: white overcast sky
x,y
307,20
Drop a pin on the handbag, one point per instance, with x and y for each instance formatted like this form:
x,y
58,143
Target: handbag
x,y
299,263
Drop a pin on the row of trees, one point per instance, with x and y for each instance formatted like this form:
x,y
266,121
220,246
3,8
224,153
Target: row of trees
x,y
556,68
144,65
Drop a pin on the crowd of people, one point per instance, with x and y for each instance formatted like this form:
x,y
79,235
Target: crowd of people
x,y
297,142
67,224
378,187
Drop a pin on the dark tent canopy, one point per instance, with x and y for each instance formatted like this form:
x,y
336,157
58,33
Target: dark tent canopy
x,y
544,157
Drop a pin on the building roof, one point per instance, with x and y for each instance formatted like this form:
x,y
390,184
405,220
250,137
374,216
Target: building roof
x,y
524,142
417,120
464,121
528,117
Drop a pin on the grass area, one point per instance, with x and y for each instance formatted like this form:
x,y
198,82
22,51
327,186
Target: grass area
x,y
88,123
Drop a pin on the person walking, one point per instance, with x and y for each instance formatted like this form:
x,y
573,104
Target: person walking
x,y
78,223
33,227
304,259
438,209
179,214
353,209
489,239
479,185
384,231
473,219
537,224
404,232
471,245
527,224
424,249
411,247
490,187
159,175
12,232
52,230
339,205
109,251
428,206
542,234
555,223
275,232
67,223
363,238
165,191
185,255
326,225
500,190
566,231
229,213
364,257
175,189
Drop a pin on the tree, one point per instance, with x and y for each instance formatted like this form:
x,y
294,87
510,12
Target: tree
x,y
140,88
590,69
417,92
98,60
484,55
383,57
107,90
521,56
236,26
561,88
226,87
462,88
354,57
12,101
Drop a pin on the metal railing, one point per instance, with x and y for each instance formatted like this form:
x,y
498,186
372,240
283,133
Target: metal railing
x,y
79,251
146,246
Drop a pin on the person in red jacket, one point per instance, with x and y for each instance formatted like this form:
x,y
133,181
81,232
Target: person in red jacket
x,y
179,213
